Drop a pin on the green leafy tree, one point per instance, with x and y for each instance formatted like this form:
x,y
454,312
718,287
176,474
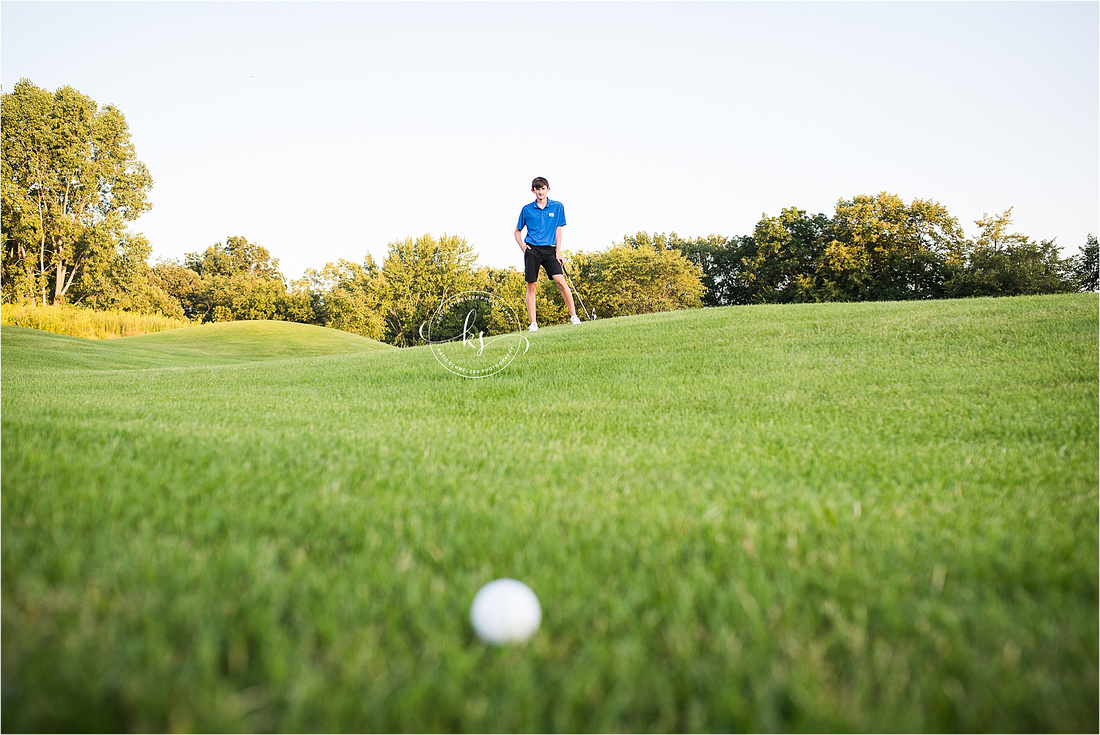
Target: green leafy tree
x,y
418,274
236,256
781,264
1085,266
241,281
1005,263
1018,269
20,231
869,248
994,234
884,249
346,295
637,279
182,284
125,281
70,183
296,306
656,241
244,298
509,285
722,261
152,300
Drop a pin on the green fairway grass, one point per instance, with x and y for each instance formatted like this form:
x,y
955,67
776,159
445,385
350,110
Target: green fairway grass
x,y
823,517
207,345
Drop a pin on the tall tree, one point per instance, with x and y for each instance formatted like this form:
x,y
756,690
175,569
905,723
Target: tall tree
x,y
1000,262
70,183
781,266
642,279
346,295
125,281
236,256
1086,266
887,250
993,231
722,260
418,275
241,281
509,286
183,285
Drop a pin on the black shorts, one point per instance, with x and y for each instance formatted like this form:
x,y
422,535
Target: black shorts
x,y
538,256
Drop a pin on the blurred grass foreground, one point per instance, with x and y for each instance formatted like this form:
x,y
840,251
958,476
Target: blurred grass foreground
x,y
819,517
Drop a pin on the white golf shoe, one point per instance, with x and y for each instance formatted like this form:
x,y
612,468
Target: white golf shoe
x,y
533,328
575,319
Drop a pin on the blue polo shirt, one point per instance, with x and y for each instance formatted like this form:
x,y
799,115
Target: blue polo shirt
x,y
541,224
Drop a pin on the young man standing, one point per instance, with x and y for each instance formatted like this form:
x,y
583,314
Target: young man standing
x,y
543,219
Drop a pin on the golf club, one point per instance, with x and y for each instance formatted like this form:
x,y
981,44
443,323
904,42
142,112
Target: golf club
x,y
591,315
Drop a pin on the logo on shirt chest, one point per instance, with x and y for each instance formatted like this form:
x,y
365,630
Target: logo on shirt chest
x,y
549,214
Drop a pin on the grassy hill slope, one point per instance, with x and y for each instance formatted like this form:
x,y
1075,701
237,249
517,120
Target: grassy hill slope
x,y
208,344
818,517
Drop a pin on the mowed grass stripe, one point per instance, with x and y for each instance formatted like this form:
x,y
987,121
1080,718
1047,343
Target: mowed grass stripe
x,y
815,517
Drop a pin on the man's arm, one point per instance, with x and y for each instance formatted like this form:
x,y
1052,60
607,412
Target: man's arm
x,y
557,243
519,240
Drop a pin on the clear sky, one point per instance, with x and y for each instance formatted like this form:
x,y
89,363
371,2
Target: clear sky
x,y
325,130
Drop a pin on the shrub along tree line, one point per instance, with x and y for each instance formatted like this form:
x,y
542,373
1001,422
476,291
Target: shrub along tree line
x,y
71,182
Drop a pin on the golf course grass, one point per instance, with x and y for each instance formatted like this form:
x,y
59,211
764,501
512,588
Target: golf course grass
x,y
821,517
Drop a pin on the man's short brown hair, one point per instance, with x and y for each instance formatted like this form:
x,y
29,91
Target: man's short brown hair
x,y
540,182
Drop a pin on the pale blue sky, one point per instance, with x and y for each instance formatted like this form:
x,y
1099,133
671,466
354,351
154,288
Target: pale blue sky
x,y
327,130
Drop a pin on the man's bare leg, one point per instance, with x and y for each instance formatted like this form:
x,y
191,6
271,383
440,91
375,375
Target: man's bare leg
x,y
531,288
566,295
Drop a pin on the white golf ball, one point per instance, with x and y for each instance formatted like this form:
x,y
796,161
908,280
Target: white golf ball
x,y
505,611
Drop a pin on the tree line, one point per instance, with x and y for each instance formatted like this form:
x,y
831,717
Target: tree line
x,y
71,183
237,279
878,248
